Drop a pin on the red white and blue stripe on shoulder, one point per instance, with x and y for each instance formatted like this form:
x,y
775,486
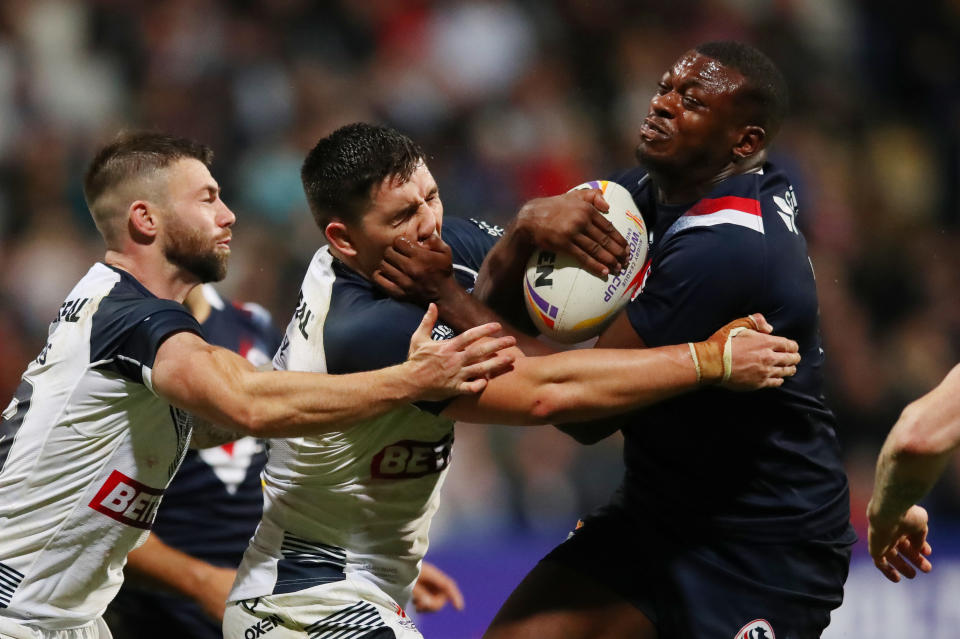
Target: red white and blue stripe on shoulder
x,y
728,209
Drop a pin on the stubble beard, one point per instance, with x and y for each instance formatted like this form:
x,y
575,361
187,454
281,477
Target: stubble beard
x,y
189,251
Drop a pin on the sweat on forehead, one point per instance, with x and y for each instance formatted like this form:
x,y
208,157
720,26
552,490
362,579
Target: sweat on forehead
x,y
711,74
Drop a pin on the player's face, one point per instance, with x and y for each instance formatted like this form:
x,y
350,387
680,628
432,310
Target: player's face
x,y
692,122
412,209
196,230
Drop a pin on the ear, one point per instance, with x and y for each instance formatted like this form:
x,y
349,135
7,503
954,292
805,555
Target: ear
x,y
750,142
338,235
143,220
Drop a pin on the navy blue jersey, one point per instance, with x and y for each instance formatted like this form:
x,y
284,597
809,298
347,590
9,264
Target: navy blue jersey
x,y
763,465
357,337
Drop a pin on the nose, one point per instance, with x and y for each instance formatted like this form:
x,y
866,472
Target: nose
x,y
428,223
662,104
225,217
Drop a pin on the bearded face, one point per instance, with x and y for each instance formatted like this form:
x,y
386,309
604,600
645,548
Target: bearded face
x,y
199,255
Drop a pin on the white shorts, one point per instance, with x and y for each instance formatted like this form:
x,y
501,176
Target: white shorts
x,y
347,609
96,629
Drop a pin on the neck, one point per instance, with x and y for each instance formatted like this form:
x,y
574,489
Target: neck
x,y
685,186
196,302
349,261
158,276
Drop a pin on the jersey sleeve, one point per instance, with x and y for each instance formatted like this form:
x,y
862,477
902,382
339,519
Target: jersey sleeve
x,y
701,279
127,333
469,241
377,338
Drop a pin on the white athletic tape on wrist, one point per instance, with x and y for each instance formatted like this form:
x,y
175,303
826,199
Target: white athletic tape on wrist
x,y
727,354
696,360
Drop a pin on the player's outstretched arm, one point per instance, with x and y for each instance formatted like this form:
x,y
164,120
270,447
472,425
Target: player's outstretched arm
x,y
224,388
158,565
912,459
595,383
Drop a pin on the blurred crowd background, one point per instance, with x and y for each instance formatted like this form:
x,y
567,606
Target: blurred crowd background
x,y
510,100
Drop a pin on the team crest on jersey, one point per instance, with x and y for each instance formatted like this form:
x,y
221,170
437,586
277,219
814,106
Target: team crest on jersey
x,y
441,332
756,629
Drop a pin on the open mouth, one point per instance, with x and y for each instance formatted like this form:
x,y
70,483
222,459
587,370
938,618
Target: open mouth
x,y
650,130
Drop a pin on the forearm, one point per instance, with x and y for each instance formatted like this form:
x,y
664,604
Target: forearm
x,y
157,565
581,385
292,404
915,453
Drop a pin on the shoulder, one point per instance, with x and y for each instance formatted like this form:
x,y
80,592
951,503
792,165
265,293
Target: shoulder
x,y
463,234
633,179
469,240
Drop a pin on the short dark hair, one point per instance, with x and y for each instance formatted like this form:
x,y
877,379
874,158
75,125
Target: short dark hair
x,y
340,172
765,92
137,153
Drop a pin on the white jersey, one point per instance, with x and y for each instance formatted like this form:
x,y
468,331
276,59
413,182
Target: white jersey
x,y
354,503
86,451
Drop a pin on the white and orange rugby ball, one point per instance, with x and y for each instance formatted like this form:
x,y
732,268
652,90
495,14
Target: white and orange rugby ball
x,y
568,303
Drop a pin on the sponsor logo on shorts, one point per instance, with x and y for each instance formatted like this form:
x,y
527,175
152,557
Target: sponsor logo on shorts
x,y
127,500
409,459
262,627
756,629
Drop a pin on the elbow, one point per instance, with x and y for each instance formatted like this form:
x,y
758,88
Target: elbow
x,y
546,405
244,419
916,438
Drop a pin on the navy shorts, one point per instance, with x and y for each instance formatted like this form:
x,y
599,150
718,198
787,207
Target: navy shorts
x,y
711,587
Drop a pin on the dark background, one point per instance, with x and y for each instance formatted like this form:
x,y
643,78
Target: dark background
x,y
511,100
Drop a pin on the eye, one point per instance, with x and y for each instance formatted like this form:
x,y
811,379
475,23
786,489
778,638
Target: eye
x,y
662,88
691,103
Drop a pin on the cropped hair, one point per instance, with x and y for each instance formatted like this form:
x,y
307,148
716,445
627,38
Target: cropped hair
x,y
135,154
765,93
341,171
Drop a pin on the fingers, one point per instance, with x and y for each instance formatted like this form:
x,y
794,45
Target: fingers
x,y
489,368
388,286
605,246
594,197
587,261
760,323
463,340
481,350
915,555
426,324
888,571
900,564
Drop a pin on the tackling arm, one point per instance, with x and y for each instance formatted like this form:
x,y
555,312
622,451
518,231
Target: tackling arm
x,y
595,383
223,388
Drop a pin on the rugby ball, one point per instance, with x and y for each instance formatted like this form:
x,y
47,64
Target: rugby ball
x,y
568,303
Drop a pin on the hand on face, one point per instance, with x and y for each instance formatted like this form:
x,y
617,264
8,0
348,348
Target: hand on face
x,y
415,271
572,223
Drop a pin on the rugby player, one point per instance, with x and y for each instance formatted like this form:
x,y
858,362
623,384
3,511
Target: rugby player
x,y
733,515
177,582
346,519
102,417
913,457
